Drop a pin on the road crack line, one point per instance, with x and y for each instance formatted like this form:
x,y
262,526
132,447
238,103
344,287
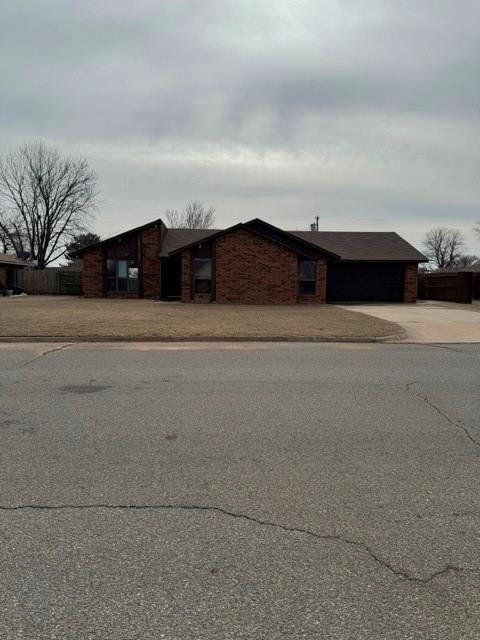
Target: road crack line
x,y
264,523
435,345
47,352
454,423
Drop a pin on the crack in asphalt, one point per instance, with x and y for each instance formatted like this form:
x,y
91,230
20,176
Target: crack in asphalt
x,y
264,523
435,345
454,423
48,351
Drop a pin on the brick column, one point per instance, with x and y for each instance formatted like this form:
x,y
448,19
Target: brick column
x,y
186,295
411,282
92,274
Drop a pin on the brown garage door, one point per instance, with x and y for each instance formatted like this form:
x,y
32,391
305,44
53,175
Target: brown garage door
x,y
365,282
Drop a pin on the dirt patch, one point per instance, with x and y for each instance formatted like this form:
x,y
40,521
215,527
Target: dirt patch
x,y
62,316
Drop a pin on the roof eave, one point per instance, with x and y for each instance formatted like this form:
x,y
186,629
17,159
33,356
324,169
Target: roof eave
x,y
80,252
384,260
245,225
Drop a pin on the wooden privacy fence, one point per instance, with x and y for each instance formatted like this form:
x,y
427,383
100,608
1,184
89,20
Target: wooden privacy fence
x,y
450,287
50,281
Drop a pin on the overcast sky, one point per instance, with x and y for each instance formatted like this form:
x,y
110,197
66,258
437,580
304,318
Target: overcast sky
x,y
364,112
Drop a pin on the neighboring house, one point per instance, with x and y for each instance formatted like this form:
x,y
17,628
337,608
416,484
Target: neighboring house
x,y
9,266
251,263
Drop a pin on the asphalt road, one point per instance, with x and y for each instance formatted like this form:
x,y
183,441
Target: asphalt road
x,y
240,491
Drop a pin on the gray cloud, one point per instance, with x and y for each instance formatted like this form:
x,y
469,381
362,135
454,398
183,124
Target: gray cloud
x,y
360,110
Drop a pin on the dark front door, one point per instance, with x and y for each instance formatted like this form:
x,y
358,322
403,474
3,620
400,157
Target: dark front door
x,y
172,277
11,278
365,282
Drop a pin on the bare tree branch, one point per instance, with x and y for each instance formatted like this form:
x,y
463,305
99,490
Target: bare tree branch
x,y
46,200
194,216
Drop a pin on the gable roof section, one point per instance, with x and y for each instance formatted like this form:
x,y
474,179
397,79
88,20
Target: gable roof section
x,y
260,228
367,246
6,258
80,252
288,239
176,239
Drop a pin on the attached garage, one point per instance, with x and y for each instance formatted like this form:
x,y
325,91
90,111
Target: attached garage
x,y
365,282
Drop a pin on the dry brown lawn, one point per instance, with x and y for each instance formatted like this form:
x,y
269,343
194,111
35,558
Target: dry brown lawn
x,y
71,317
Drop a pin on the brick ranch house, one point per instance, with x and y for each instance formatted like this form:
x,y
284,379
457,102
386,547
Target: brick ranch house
x,y
251,263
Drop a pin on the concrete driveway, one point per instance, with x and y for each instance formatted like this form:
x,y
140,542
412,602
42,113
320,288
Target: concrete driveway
x,y
430,322
239,491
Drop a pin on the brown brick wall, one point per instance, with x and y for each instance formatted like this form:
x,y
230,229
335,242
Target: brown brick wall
x,y
411,282
321,289
253,270
186,277
93,262
249,269
150,262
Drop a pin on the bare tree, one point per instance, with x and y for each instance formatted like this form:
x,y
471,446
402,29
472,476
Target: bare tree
x,y
443,246
46,199
476,229
194,216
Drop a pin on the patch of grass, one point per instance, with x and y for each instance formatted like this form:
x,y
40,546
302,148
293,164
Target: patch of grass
x,y
62,316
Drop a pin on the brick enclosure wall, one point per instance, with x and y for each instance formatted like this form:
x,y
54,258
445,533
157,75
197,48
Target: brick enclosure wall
x,y
321,288
150,262
93,262
411,282
253,270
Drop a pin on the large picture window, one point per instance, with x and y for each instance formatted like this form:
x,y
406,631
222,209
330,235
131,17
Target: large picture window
x,y
122,275
307,277
202,274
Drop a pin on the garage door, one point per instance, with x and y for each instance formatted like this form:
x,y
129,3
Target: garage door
x,y
365,282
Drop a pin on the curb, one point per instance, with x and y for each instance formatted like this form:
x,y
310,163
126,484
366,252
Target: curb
x,y
100,339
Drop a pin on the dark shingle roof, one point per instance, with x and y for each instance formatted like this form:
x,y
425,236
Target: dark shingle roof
x,y
178,238
363,245
6,258
348,245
